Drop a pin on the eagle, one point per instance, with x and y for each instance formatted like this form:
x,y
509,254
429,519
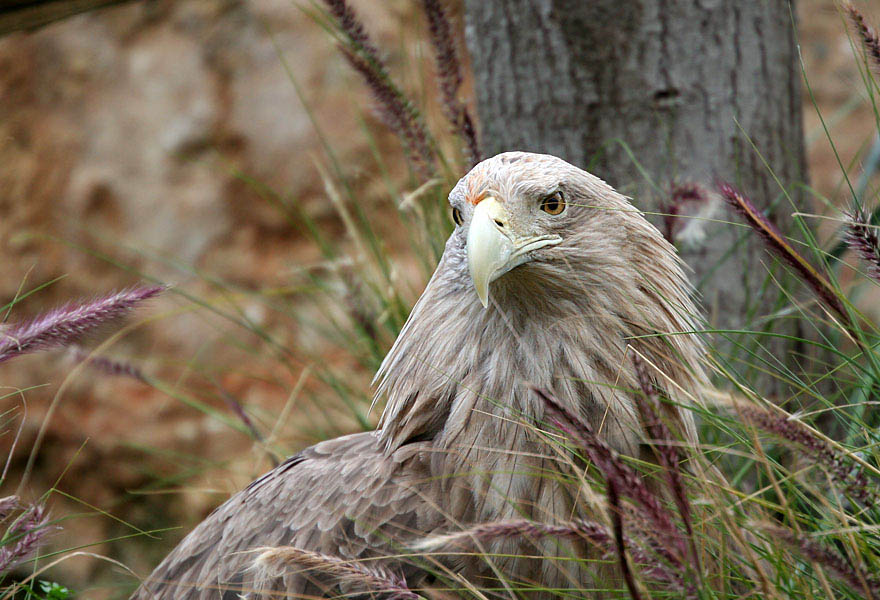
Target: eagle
x,y
550,278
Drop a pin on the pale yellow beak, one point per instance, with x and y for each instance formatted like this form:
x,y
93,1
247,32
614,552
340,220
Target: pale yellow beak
x,y
492,247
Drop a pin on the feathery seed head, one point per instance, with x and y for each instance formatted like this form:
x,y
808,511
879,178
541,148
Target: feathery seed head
x,y
836,564
870,38
27,534
67,324
862,238
372,578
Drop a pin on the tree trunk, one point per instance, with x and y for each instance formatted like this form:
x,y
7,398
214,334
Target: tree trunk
x,y
683,87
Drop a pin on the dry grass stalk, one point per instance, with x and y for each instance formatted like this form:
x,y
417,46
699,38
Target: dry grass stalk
x,y
595,533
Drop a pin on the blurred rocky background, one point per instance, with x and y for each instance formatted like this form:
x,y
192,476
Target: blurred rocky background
x,y
157,139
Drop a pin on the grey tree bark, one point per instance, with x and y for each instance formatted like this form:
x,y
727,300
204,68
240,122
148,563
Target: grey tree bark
x,y
685,86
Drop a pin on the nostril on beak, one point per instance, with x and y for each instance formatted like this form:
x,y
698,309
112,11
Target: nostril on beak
x,y
499,223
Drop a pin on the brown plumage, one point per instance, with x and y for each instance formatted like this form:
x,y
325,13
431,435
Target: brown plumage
x,y
571,275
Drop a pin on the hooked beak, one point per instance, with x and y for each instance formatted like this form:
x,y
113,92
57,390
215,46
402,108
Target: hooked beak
x,y
493,249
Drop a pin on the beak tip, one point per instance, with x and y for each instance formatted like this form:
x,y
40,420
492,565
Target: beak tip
x,y
482,295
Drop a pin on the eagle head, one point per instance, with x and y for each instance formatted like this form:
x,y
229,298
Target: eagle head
x,y
535,225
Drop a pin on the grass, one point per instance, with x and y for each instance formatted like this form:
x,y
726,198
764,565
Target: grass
x,y
778,501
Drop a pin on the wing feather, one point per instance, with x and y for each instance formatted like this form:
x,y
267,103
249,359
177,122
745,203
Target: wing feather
x,y
342,497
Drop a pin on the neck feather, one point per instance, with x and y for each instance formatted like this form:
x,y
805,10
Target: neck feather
x,y
458,373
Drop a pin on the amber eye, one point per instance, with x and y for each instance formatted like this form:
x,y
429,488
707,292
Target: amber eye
x,y
456,216
553,204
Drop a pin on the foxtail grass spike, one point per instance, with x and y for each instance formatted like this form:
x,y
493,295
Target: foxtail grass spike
x,y
108,366
68,324
619,474
619,542
374,579
238,410
449,74
870,38
777,244
837,565
838,466
25,537
663,442
7,505
358,308
862,239
394,108
348,22
396,111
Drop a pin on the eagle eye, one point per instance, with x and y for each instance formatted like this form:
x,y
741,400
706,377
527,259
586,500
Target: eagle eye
x,y
456,216
553,204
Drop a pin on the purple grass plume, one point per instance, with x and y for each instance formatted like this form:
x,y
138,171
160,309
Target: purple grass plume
x,y
449,74
26,535
68,324
836,564
393,107
681,195
396,112
862,238
617,473
778,245
870,38
839,467
108,366
616,511
662,441
7,505
351,574
349,24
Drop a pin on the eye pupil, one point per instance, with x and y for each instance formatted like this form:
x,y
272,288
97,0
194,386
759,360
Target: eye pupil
x,y
554,204
456,216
